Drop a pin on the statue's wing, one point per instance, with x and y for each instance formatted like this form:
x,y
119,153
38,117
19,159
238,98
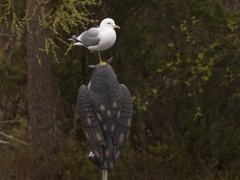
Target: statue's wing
x,y
90,123
124,122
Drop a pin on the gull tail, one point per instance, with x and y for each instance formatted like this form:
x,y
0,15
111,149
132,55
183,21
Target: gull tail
x,y
75,41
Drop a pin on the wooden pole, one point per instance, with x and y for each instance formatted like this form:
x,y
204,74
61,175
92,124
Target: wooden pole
x,y
104,174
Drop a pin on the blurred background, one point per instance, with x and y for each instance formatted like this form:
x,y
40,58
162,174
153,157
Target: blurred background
x,y
180,60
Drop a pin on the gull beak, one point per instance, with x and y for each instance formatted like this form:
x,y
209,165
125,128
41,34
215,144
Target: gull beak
x,y
116,26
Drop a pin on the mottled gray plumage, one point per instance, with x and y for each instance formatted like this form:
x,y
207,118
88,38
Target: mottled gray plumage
x,y
105,109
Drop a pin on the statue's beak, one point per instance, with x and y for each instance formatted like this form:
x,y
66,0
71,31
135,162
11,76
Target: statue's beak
x,y
116,27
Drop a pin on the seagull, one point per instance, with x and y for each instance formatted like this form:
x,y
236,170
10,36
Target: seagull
x,y
98,38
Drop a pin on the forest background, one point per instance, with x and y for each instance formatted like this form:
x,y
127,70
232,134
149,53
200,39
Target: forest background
x,y
180,60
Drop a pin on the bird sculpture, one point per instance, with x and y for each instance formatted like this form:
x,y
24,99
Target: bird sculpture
x,y
105,111
98,38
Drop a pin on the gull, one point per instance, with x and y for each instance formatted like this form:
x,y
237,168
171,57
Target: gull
x,y
98,38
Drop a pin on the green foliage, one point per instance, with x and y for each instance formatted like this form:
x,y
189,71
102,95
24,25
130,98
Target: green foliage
x,y
180,60
63,17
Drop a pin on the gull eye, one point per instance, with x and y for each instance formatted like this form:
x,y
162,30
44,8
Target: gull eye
x,y
109,23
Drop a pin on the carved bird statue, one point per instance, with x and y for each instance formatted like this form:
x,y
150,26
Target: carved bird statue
x,y
105,110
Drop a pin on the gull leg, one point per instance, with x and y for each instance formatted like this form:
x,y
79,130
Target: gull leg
x,y
101,62
99,56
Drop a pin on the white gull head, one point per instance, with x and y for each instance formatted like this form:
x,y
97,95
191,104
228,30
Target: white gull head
x,y
108,22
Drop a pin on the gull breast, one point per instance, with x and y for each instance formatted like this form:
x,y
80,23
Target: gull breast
x,y
107,40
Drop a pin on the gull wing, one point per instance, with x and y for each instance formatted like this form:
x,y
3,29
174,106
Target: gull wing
x,y
90,37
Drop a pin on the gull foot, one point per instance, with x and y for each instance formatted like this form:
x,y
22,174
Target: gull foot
x,y
102,63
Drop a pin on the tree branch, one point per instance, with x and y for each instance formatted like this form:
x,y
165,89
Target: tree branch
x,y
13,138
4,142
10,121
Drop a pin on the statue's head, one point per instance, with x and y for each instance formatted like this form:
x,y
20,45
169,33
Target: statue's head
x,y
103,77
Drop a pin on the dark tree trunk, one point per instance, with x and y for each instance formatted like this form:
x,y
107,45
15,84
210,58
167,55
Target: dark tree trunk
x,y
40,94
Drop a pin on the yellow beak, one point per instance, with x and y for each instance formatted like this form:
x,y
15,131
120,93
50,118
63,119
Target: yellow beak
x,y
116,27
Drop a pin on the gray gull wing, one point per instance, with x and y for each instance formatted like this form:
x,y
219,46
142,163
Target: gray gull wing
x,y
90,37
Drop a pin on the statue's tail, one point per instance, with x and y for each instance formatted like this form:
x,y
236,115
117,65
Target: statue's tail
x,y
108,158
94,160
